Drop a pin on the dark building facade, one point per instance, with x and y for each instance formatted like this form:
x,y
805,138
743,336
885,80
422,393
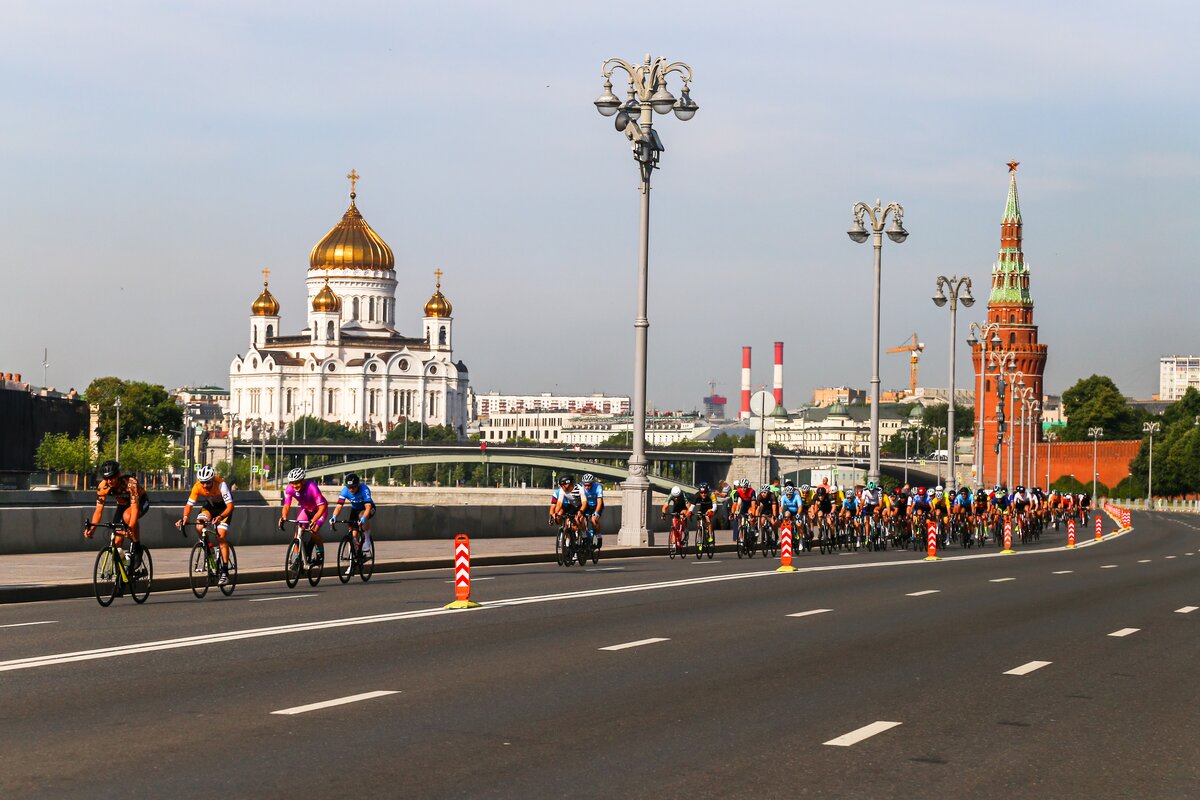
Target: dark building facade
x,y
26,417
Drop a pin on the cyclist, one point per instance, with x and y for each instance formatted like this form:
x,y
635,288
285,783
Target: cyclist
x,y
743,505
1085,506
131,505
791,505
359,496
822,502
849,510
979,505
871,500
313,506
960,509
702,505
593,496
568,501
217,509
722,497
766,504
677,505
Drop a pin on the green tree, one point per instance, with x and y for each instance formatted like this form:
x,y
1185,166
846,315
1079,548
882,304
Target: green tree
x,y
58,452
1097,402
146,409
312,429
146,456
416,433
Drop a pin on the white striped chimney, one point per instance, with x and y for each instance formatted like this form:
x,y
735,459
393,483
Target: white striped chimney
x,y
779,374
745,413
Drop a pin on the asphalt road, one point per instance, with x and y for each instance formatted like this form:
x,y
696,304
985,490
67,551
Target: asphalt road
x,y
726,693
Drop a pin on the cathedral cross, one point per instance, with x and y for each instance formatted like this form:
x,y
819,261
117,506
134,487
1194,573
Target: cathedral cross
x,y
353,176
266,274
438,273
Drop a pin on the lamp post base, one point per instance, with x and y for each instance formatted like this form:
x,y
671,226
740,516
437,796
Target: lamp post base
x,y
635,503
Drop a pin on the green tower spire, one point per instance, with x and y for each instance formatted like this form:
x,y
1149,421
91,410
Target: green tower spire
x,y
1010,274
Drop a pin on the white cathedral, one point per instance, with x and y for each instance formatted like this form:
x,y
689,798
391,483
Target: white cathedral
x,y
350,364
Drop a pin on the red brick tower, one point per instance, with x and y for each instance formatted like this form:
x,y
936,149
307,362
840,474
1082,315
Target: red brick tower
x,y
1010,306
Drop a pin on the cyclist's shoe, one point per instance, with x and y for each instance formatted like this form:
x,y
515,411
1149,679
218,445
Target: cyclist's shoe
x,y
223,577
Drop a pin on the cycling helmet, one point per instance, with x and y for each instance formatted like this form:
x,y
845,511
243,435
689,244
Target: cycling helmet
x,y
204,473
963,490
589,477
296,475
789,490
835,488
788,484
921,491
566,480
764,488
996,488
110,469
821,490
702,487
805,488
939,488
1020,489
352,480
676,491
871,485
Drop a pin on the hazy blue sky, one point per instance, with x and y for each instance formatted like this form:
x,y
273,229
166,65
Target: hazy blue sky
x,y
158,155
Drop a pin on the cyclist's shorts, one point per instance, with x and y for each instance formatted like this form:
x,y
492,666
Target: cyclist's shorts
x,y
119,511
571,508
868,510
303,517
210,511
595,511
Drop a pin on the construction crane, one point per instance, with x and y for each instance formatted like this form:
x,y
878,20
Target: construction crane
x,y
915,348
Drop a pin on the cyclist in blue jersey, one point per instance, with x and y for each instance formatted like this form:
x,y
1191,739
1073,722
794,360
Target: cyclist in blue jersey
x,y
791,504
593,504
358,495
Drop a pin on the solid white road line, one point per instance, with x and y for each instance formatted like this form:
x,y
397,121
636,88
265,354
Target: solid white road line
x,y
605,569
865,732
810,613
341,701
1113,566
919,594
1025,669
1001,580
1170,556
1186,609
24,624
1144,560
638,643
282,597
1064,572
1124,632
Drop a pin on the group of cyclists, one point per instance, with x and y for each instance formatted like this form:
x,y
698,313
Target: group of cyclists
x,y
834,517
215,500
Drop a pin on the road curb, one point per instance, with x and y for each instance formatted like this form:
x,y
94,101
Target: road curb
x,y
74,589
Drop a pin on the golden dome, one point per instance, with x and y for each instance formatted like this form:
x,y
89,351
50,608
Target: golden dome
x,y
326,300
352,244
266,305
438,305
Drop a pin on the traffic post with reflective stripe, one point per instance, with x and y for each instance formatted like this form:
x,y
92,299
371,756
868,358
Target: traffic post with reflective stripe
x,y
1071,533
785,547
1008,551
931,542
462,573
1099,527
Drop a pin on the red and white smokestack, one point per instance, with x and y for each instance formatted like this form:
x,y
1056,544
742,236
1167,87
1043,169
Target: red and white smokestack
x,y
745,413
779,374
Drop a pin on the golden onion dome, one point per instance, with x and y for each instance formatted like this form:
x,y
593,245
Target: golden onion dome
x,y
438,305
326,301
352,244
266,305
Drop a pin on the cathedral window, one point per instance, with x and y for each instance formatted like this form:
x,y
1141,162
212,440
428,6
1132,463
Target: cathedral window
x,y
270,331
354,308
371,309
329,331
442,335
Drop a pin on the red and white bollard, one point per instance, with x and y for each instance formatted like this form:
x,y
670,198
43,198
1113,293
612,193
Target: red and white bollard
x,y
462,573
931,542
1007,537
785,548
1125,517
1071,532
1099,527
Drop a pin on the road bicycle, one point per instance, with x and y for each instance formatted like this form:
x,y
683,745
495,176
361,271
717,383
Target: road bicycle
x,y
204,564
706,541
111,575
351,557
678,538
768,537
302,558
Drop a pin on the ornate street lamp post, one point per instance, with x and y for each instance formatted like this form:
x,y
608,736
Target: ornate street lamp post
x,y
958,287
938,432
1095,434
1024,394
1151,428
648,95
1035,419
1005,362
1051,438
906,435
117,451
897,234
981,331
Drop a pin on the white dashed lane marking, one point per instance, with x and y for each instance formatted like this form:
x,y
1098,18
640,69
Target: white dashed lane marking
x,y
1124,632
1064,572
920,594
1144,560
865,732
284,597
26,624
1113,566
1001,580
638,643
1186,609
810,613
341,701
1025,669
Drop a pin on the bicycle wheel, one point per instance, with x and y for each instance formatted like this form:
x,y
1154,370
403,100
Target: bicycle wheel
x,y
198,574
366,564
559,548
700,540
345,559
293,563
142,578
104,577
711,544
230,571
315,567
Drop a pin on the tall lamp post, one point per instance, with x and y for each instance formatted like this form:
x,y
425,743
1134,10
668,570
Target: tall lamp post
x,y
959,287
1005,362
938,432
1151,428
897,234
906,435
1051,438
1095,434
1024,395
981,331
648,95
117,451
1035,419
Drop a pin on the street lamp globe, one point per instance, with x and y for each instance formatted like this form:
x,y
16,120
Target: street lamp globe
x,y
967,299
685,106
859,232
995,340
607,103
939,299
896,232
662,101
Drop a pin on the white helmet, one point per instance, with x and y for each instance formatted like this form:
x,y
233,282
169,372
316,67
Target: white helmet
x,y
296,475
676,491
939,488
204,473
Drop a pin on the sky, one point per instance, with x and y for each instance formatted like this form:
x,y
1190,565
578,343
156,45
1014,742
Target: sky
x,y
159,155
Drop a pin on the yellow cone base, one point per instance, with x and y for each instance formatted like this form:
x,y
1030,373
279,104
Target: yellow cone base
x,y
461,604
788,568
932,558
1008,552
1070,547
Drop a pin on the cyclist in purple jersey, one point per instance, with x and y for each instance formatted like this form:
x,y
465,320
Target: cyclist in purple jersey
x,y
312,504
